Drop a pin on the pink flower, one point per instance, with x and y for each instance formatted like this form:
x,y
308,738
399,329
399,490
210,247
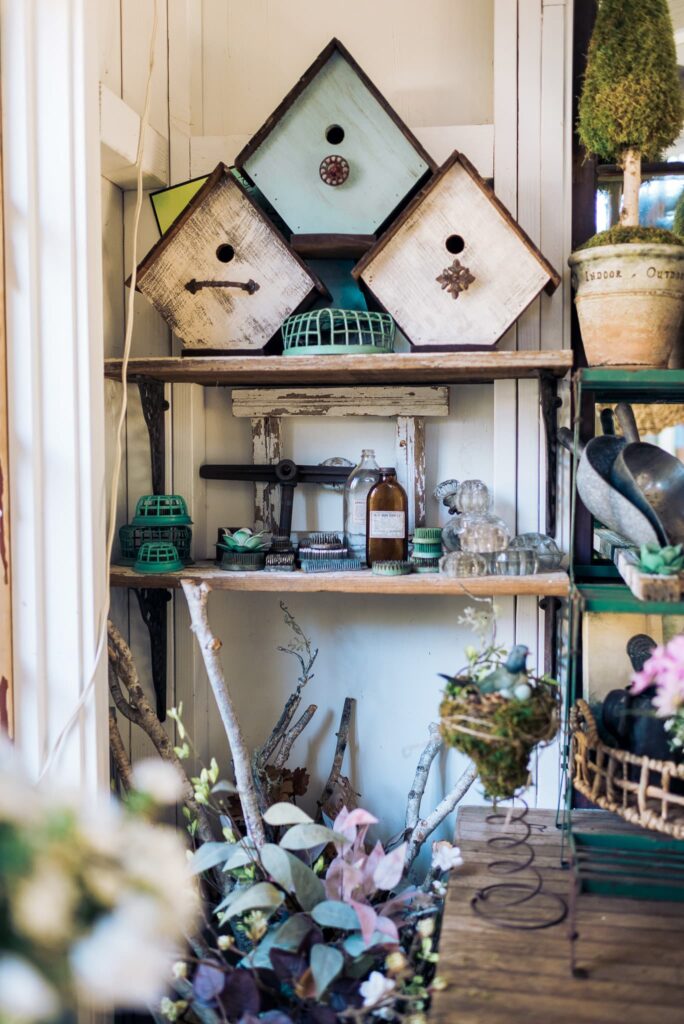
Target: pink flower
x,y
665,670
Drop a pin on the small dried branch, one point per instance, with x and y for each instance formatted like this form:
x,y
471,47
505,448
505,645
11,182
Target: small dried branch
x,y
291,737
122,669
342,740
126,709
116,745
263,755
197,597
423,767
426,826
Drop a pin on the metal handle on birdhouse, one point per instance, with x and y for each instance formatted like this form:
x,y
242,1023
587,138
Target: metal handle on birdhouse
x,y
250,286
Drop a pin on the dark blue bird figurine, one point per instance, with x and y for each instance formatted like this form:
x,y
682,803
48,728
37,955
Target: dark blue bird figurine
x,y
506,677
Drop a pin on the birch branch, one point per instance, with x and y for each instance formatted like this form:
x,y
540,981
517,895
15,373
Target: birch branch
x,y
291,737
342,740
124,706
417,790
123,668
116,745
197,597
426,826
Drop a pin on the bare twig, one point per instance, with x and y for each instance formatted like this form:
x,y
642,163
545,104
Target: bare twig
x,y
263,755
116,745
126,709
342,740
197,596
417,791
291,737
426,826
123,670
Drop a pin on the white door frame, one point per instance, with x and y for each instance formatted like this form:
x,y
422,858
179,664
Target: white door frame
x,y
55,381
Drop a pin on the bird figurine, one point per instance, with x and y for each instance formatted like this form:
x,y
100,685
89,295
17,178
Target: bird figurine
x,y
508,680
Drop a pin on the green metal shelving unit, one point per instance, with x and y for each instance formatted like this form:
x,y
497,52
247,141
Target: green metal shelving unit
x,y
633,864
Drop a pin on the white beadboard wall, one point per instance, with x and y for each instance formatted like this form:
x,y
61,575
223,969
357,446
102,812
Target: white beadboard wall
x,y
489,78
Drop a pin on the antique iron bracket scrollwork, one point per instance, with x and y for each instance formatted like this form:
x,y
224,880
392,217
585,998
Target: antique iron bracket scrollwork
x,y
154,405
153,608
550,404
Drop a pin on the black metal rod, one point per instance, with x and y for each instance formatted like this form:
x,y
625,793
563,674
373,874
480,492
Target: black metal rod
x,y
269,474
286,502
250,286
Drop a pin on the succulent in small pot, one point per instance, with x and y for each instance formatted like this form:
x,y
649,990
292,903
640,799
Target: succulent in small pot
x,y
629,280
245,540
665,561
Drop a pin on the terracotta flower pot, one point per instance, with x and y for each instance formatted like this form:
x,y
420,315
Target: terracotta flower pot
x,y
630,302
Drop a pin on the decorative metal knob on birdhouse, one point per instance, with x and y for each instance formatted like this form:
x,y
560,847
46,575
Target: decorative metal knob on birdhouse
x,y
334,170
455,279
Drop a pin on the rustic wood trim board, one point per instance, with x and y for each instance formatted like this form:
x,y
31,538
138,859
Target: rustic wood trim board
x,y
362,582
398,367
358,401
632,949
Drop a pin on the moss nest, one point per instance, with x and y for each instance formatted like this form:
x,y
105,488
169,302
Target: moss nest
x,y
498,734
619,235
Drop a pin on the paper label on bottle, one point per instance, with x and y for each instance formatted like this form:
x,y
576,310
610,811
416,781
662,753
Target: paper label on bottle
x,y
390,525
358,513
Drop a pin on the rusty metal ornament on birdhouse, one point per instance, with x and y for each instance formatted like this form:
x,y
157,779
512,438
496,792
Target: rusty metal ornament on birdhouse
x,y
334,170
455,279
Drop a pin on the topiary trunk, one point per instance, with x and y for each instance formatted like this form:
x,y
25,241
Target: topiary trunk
x,y
631,163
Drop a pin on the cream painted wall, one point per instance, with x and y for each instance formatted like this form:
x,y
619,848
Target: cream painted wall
x,y
436,66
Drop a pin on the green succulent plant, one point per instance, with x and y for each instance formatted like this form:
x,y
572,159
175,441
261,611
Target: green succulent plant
x,y
659,561
245,540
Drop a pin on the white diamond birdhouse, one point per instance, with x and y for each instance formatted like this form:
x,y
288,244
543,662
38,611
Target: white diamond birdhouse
x,y
334,157
222,276
454,269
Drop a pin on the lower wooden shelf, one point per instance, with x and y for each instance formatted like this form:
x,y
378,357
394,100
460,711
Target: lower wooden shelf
x,y
553,584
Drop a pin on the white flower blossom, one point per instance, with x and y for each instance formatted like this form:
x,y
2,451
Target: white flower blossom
x,y
376,988
126,960
158,779
445,856
25,995
43,904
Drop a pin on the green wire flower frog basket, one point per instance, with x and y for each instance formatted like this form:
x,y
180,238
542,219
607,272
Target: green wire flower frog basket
x,y
161,510
131,538
323,332
157,556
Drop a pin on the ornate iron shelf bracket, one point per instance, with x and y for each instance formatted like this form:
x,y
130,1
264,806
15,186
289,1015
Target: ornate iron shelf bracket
x,y
550,404
153,608
154,405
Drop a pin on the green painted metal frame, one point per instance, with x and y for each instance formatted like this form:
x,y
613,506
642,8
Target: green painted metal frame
x,y
606,384
617,598
636,865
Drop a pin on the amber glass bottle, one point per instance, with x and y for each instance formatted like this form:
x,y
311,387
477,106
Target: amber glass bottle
x,y
387,520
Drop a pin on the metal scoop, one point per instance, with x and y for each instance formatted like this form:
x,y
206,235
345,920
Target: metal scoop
x,y
594,487
651,478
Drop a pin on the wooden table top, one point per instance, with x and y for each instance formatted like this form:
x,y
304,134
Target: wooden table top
x,y
632,950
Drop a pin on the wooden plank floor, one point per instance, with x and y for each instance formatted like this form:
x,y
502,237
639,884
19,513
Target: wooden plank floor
x,y
633,950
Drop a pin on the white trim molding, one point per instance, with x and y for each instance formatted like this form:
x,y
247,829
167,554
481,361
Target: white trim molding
x,y
56,395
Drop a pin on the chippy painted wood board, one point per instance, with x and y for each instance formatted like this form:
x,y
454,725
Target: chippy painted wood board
x,y
223,236
359,582
358,401
455,221
385,161
631,949
442,368
645,586
267,449
409,459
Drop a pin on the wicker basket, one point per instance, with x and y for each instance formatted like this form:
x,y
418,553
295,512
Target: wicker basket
x,y
639,789
500,733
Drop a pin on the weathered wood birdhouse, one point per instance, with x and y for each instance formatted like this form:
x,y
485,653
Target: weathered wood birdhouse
x,y
334,157
454,269
222,276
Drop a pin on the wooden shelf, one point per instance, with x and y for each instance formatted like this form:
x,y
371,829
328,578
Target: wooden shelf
x,y
553,584
410,367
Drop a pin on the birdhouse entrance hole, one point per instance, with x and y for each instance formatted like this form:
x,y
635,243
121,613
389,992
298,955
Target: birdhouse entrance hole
x,y
225,253
455,244
334,134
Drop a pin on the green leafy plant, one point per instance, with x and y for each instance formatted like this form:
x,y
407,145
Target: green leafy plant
x,y
631,102
665,561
